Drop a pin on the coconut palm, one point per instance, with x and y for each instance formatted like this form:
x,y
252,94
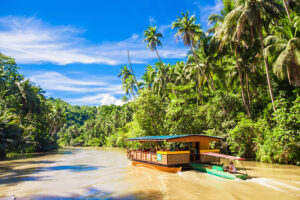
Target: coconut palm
x,y
190,34
179,73
29,97
124,73
152,38
284,46
286,9
226,39
148,77
130,86
162,79
217,19
251,16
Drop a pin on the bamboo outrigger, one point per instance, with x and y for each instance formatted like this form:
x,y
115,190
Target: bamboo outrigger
x,y
200,157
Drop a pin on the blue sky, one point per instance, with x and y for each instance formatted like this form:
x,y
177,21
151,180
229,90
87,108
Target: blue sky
x,y
74,49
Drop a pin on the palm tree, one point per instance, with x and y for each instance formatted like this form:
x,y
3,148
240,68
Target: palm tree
x,y
125,73
286,9
284,46
130,86
152,38
129,62
217,19
190,33
179,73
226,39
250,16
162,79
29,97
148,77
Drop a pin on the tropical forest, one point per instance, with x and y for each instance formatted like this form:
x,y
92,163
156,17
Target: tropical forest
x,y
240,81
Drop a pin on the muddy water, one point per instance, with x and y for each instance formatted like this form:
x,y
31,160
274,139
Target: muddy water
x,y
105,173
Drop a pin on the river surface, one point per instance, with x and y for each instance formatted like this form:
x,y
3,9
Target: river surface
x,y
105,173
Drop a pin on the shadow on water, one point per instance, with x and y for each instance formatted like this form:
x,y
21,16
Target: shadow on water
x,y
72,168
94,194
22,175
36,155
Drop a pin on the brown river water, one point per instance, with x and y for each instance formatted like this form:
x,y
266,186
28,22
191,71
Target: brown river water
x,y
105,173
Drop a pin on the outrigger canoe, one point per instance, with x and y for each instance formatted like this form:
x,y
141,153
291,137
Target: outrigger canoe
x,y
217,170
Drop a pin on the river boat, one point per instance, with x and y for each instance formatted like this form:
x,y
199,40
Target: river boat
x,y
200,157
172,160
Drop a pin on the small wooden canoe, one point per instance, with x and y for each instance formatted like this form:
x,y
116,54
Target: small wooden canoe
x,y
217,171
158,167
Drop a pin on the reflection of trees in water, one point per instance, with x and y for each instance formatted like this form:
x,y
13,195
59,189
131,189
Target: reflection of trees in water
x,y
10,176
92,194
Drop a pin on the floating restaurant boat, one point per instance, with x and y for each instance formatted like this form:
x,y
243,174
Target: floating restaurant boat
x,y
199,157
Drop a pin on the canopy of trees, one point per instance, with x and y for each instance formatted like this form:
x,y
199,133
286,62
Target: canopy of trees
x,y
240,81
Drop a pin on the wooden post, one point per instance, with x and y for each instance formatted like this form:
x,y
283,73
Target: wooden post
x,y
194,155
200,151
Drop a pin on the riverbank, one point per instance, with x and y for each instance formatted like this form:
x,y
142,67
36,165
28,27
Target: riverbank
x,y
105,173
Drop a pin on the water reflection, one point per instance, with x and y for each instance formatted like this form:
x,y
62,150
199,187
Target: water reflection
x,y
72,168
95,194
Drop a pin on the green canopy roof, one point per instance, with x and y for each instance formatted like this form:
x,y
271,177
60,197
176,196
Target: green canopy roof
x,y
171,137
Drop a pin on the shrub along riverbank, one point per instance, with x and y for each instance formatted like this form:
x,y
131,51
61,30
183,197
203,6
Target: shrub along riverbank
x,y
240,81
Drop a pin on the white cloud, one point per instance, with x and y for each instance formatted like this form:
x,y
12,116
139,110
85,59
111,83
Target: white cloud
x,y
152,21
162,29
30,40
102,99
206,11
54,81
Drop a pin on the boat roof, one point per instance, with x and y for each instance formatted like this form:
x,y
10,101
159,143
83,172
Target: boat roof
x,y
222,156
176,138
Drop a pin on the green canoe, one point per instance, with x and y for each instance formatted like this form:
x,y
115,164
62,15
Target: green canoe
x,y
217,171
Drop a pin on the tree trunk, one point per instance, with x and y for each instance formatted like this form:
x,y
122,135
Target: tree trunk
x,y
241,81
287,9
132,71
194,54
210,77
248,90
158,56
266,66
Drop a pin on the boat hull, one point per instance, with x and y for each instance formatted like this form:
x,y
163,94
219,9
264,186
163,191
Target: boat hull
x,y
209,170
157,167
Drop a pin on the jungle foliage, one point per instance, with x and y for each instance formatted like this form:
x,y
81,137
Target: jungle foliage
x,y
240,81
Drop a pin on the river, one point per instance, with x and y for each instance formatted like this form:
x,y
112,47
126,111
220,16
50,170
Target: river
x,y
105,173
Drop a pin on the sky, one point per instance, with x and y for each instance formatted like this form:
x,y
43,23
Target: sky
x,y
75,49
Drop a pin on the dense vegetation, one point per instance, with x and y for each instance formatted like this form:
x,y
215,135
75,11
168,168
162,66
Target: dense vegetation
x,y
240,81
28,122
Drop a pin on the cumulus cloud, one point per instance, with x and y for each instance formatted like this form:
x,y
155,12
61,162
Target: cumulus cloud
x,y
32,41
98,99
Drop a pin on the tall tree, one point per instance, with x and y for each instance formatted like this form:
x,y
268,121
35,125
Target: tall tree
x,y
190,32
129,62
152,38
284,47
251,16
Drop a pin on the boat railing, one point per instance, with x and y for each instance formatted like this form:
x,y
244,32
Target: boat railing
x,y
147,156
